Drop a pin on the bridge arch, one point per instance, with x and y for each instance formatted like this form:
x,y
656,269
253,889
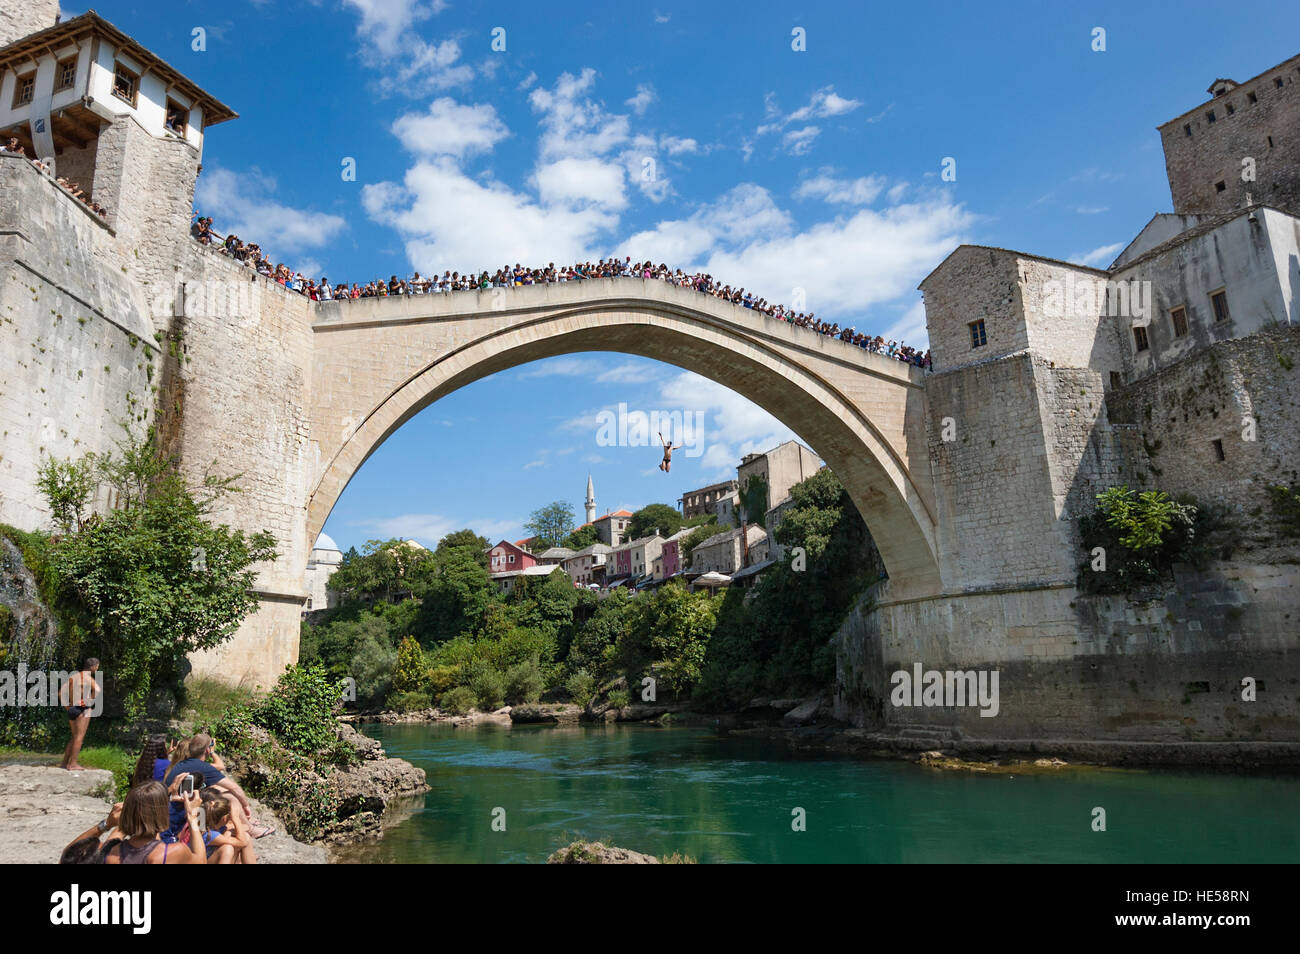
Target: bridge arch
x,y
379,362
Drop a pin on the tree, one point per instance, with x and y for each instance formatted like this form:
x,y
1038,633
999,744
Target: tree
x,y
582,538
817,506
694,539
154,581
653,517
464,538
550,525
456,598
753,500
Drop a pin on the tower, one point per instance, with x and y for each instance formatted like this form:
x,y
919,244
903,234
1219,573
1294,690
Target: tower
x,y
591,500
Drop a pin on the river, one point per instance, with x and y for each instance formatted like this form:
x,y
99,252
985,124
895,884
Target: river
x,y
732,799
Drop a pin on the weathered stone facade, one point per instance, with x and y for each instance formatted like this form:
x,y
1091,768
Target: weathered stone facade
x,y
17,20
1205,148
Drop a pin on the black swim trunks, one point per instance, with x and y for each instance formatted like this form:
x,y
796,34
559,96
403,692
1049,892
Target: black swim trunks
x,y
74,712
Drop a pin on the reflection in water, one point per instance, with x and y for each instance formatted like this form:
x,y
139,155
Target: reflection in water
x,y
728,799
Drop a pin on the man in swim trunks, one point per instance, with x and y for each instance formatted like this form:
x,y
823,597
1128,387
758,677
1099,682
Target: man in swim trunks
x,y
667,463
77,696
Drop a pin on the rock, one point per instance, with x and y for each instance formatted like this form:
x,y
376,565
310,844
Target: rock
x,y
370,786
365,747
804,713
548,714
598,853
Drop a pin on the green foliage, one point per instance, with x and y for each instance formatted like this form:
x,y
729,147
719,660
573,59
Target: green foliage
x,y
692,540
372,668
775,638
593,643
410,701
488,686
466,539
618,698
670,627
581,686
753,499
456,598
667,520
549,525
154,581
67,486
582,538
1140,537
1140,519
523,682
411,671
300,710
458,701
383,569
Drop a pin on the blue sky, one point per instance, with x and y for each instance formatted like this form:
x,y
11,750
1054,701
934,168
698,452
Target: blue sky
x,y
687,133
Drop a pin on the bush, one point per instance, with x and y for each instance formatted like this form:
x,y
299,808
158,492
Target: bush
x,y
523,682
299,711
372,668
410,673
1134,539
489,688
457,701
443,678
581,686
618,698
410,701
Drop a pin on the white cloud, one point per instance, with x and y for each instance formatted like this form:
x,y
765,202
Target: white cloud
x,y
572,123
663,17
389,32
1098,256
242,203
577,182
645,95
527,81
734,425
449,129
1091,209
798,142
824,104
675,146
450,220
860,191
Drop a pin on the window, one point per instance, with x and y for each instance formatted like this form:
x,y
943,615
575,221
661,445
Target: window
x,y
1178,318
65,74
1218,450
1187,128
1140,339
1277,81
978,338
1270,142
24,89
1252,98
125,84
177,117
1220,186
512,558
1116,380
1220,302
1209,117
1229,108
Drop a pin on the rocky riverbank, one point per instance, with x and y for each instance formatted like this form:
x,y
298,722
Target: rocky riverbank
x,y
43,808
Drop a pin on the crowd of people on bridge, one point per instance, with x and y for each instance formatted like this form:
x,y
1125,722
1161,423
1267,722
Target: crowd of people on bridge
x,y
252,256
74,190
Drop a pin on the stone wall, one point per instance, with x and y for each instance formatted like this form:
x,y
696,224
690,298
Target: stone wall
x,y
76,344
1092,667
1171,421
18,18
1199,153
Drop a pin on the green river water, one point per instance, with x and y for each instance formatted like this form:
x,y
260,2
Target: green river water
x,y
730,799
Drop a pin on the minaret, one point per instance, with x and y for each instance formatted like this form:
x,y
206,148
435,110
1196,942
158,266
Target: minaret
x,y
591,500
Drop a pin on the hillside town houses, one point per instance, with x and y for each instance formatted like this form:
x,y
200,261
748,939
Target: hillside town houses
x,y
731,556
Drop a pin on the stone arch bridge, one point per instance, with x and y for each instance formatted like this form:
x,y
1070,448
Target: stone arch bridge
x,y
377,362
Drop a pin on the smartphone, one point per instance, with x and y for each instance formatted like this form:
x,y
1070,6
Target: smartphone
x,y
187,785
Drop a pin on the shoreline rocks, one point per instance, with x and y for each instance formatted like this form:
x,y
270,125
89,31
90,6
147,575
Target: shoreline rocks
x,y
598,853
